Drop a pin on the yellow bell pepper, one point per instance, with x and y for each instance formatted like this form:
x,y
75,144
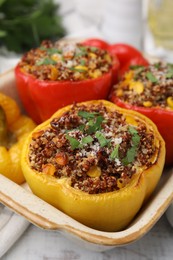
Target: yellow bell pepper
x,y
109,211
14,128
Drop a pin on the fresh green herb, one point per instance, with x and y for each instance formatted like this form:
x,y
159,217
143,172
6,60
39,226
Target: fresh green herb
x,y
83,48
86,114
96,125
131,153
81,127
151,77
25,24
102,140
169,74
78,70
73,142
115,152
87,139
135,67
94,49
83,62
157,65
46,61
52,51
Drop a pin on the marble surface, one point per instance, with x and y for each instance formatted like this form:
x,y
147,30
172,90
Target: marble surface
x,y
38,244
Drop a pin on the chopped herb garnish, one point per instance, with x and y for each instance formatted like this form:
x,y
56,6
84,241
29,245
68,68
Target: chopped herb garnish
x,y
135,67
87,139
102,140
73,142
43,48
81,127
46,61
52,51
78,70
131,153
96,125
94,49
151,77
83,62
86,114
83,48
169,74
157,65
115,152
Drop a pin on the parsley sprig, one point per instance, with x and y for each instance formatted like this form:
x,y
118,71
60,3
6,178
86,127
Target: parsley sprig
x,y
25,24
132,151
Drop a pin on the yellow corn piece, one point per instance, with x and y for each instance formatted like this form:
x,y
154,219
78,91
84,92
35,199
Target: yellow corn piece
x,y
56,57
170,102
54,73
129,75
92,55
137,86
107,58
94,171
95,74
147,104
119,92
80,67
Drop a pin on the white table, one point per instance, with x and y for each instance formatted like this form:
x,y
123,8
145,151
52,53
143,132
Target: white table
x,y
38,244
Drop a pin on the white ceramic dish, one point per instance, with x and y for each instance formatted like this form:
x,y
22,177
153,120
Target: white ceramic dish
x,y
21,200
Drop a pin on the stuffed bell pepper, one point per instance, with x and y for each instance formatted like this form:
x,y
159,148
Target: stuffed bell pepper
x,y
96,162
127,55
60,73
14,128
150,92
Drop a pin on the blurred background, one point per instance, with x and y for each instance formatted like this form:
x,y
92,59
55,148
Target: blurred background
x,y
145,24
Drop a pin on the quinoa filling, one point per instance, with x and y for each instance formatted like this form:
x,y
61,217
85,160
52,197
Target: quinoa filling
x,y
66,61
150,86
97,149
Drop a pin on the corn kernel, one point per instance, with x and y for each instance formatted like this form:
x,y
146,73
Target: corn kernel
x,y
119,92
94,171
170,102
95,74
129,75
147,104
80,67
92,55
54,73
137,86
107,58
48,169
56,57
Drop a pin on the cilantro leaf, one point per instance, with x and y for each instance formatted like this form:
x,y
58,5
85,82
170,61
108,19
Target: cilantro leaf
x,y
87,139
151,77
115,152
132,151
46,61
102,140
86,114
96,125
73,141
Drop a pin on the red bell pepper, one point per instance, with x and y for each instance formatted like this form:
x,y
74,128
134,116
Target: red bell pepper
x,y
163,118
126,54
42,98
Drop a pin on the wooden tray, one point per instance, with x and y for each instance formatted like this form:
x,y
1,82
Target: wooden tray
x,y
21,200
